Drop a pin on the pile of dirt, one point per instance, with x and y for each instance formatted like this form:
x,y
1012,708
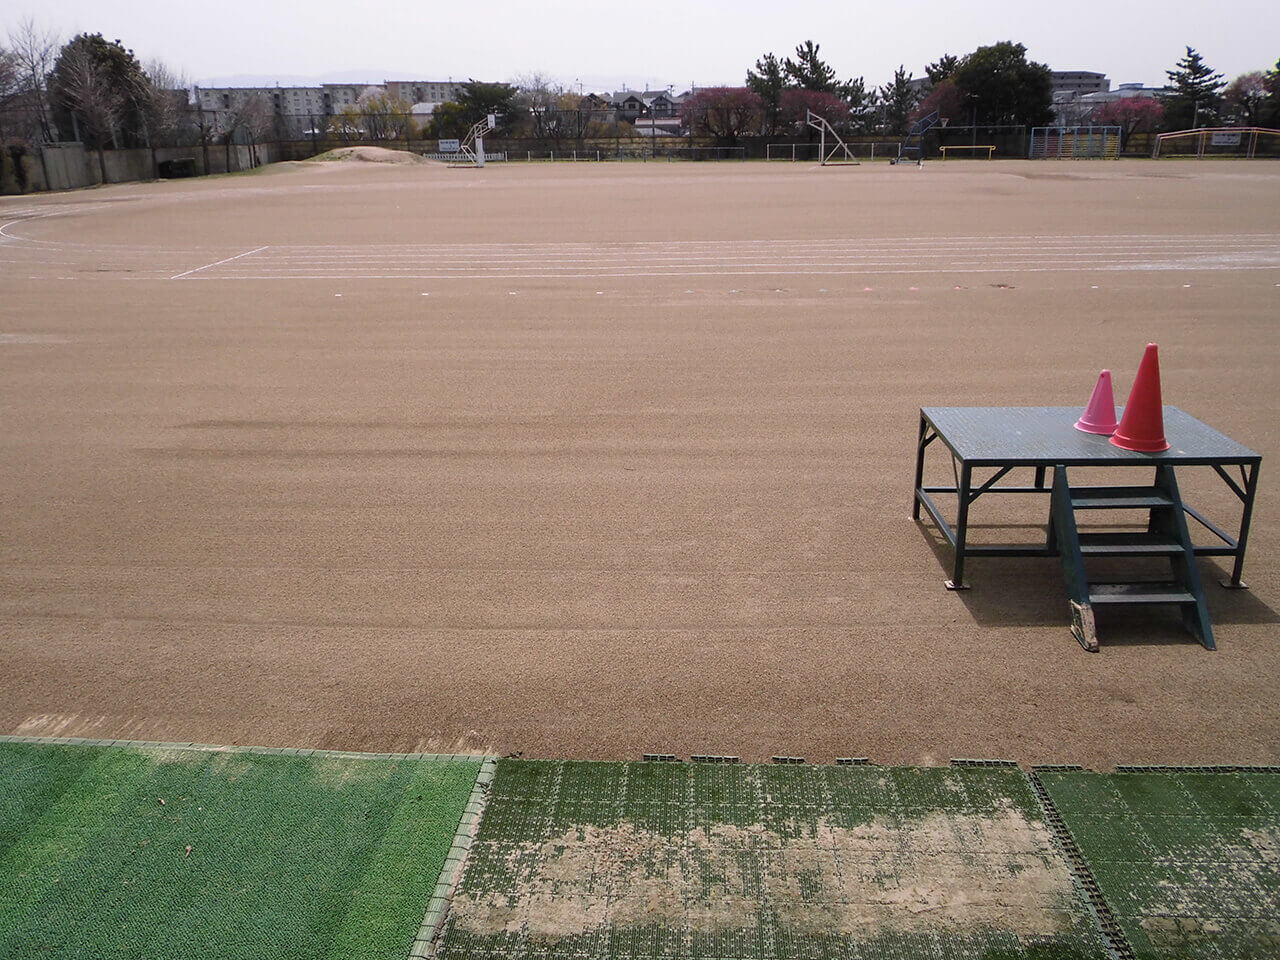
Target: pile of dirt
x,y
368,155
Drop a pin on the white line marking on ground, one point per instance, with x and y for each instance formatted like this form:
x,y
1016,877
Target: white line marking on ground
x,y
762,272
247,253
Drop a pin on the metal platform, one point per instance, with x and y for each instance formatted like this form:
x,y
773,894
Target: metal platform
x,y
1006,438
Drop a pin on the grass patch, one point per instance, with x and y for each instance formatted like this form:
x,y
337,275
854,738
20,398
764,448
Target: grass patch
x,y
248,855
1188,862
635,860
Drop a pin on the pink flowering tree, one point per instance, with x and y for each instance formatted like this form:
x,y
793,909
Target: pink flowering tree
x,y
1133,114
725,113
946,98
796,105
1246,96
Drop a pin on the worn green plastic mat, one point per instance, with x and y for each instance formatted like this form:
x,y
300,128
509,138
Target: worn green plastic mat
x,y
110,852
666,860
1187,861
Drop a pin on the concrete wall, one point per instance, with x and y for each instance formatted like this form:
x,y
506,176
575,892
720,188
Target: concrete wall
x,y
69,166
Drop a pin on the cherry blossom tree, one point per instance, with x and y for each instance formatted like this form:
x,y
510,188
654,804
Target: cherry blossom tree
x,y
946,98
725,113
1131,114
796,105
1246,96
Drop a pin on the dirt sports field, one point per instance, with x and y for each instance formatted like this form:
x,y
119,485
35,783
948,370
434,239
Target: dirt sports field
x,y
594,460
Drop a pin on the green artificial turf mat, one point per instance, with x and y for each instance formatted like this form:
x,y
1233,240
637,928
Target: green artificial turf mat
x,y
249,855
1188,863
676,860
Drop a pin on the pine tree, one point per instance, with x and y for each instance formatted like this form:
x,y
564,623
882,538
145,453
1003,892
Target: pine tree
x,y
1196,93
899,99
1271,106
809,71
768,82
942,68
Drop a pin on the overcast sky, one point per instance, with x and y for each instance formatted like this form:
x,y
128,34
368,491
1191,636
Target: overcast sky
x,y
606,45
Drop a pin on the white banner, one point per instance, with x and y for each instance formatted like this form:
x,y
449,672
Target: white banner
x,y
450,146
1226,139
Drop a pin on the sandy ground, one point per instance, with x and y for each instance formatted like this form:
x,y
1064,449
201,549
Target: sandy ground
x,y
594,460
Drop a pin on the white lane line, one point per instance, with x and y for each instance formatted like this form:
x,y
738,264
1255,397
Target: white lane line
x,y
1007,238
486,263
247,253
763,272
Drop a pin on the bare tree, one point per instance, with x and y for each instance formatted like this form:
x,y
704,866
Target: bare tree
x,y
383,117
551,111
34,51
169,102
253,117
8,75
347,125
96,106
9,87
257,118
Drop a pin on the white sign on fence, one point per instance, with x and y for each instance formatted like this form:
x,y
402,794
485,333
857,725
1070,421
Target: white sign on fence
x,y
1226,139
450,146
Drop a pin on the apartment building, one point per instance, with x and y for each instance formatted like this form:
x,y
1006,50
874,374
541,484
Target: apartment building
x,y
296,103
1079,82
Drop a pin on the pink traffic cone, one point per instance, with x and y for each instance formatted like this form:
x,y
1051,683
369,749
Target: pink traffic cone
x,y
1142,426
1100,414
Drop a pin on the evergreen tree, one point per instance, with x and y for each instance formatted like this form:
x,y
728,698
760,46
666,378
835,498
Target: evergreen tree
x,y
899,99
1000,85
942,68
100,86
1271,106
862,103
768,81
1197,91
809,72
478,100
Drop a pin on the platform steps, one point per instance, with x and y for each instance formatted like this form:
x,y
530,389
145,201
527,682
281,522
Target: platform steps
x,y
912,148
1166,538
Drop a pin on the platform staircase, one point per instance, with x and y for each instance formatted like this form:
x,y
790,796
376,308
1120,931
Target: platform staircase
x,y
1166,538
914,143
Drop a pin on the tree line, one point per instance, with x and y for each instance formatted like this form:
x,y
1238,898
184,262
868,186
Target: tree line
x,y
96,91
88,89
994,85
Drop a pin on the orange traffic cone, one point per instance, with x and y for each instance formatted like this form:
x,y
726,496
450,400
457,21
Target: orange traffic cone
x,y
1142,426
1100,414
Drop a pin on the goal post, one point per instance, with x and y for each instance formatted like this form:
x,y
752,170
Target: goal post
x,y
1246,143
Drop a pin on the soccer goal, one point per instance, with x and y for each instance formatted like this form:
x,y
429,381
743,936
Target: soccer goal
x,y
1075,143
1247,143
